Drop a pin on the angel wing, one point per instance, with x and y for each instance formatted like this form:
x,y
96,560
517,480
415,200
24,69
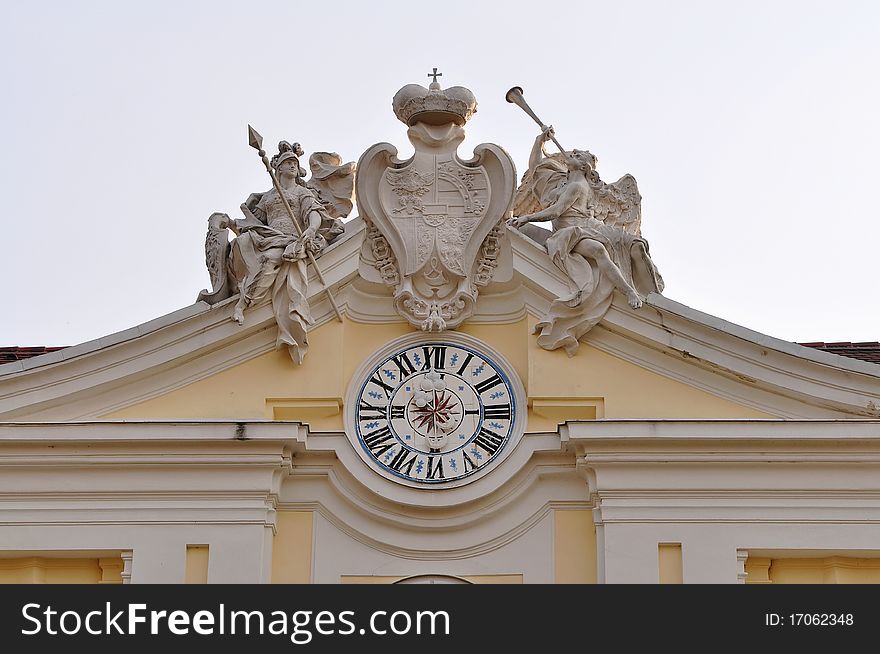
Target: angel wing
x,y
619,204
333,182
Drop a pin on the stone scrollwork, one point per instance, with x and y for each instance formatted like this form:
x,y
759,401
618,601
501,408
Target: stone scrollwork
x,y
434,221
488,261
386,264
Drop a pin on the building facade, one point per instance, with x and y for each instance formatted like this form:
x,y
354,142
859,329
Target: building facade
x,y
435,426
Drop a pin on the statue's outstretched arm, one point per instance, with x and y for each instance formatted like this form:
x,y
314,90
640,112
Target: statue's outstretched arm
x,y
570,194
538,154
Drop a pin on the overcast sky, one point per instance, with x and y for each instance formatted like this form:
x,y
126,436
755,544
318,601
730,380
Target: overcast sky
x,y
751,127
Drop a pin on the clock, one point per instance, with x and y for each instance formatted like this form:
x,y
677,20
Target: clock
x,y
435,412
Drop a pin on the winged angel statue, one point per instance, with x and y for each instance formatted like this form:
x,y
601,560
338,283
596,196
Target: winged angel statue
x,y
596,239
267,259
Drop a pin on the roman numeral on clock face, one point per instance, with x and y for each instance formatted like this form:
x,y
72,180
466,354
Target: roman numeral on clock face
x,y
397,411
403,364
497,411
486,384
435,357
379,441
435,472
370,412
401,463
489,440
377,379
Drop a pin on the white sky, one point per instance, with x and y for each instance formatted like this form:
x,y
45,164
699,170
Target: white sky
x,y
751,127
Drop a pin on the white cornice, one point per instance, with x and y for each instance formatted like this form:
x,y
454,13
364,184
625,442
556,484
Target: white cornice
x,y
766,373
741,430
802,473
240,472
134,431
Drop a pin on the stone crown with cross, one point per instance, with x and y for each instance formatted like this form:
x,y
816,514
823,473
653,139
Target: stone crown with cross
x,y
435,106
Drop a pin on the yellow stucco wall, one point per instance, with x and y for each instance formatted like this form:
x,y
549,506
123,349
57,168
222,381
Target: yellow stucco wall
x,y
292,548
197,558
669,563
589,385
813,570
52,570
574,546
617,388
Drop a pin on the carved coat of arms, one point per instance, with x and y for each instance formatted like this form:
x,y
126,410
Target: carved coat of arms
x,y
435,221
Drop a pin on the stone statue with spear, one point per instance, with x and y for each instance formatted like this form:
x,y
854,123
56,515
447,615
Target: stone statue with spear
x,y
284,229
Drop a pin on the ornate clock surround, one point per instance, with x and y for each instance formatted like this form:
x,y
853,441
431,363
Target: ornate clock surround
x,y
399,440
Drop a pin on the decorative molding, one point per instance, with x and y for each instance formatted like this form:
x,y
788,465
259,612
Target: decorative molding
x,y
127,557
702,479
656,432
741,558
731,471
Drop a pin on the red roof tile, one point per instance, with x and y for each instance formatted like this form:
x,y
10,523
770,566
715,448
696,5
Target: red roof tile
x,y
866,351
9,354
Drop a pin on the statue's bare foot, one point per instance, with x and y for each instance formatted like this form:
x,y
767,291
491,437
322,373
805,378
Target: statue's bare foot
x,y
634,300
238,315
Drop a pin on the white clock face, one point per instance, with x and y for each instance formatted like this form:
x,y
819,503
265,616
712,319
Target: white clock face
x,y
435,412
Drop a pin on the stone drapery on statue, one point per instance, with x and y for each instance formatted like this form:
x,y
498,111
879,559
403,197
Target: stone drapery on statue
x,y
268,258
596,240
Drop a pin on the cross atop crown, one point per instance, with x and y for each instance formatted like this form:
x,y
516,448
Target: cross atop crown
x,y
435,85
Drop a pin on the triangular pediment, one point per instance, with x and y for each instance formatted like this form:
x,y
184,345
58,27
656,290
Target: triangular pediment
x,y
664,360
